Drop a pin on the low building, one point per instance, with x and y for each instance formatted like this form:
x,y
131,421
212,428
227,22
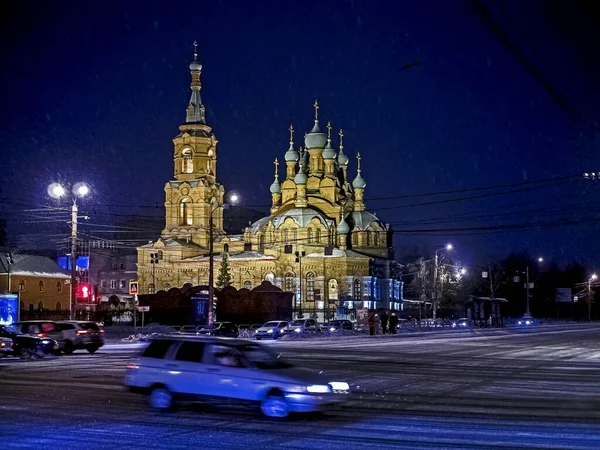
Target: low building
x,y
41,284
113,279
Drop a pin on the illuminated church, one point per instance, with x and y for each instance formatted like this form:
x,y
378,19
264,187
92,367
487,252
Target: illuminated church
x,y
319,240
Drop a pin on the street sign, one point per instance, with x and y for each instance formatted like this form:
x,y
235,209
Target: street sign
x,y
143,308
133,288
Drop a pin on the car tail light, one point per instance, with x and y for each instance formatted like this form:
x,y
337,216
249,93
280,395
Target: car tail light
x,y
133,366
82,332
42,335
101,331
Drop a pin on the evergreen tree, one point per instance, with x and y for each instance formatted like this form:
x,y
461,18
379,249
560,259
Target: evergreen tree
x,y
224,278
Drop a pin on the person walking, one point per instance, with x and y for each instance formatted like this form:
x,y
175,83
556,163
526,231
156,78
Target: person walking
x,y
384,321
393,323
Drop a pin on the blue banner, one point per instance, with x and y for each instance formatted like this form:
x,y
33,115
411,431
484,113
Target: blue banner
x,y
9,309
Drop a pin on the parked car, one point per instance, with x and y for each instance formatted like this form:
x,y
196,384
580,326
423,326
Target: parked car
x,y
42,329
222,329
526,322
301,325
255,326
189,329
336,325
25,346
271,330
461,323
6,346
78,334
175,368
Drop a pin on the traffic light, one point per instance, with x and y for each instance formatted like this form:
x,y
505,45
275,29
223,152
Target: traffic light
x,y
84,291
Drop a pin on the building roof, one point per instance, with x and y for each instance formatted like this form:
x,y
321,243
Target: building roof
x,y
32,265
242,256
337,253
170,242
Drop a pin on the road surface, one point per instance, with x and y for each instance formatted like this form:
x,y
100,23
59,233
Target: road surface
x,y
507,389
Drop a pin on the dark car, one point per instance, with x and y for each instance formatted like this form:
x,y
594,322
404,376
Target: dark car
x,y
26,346
42,329
222,329
336,325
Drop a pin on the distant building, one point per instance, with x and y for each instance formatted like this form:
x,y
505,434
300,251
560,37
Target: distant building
x,y
42,285
345,256
113,280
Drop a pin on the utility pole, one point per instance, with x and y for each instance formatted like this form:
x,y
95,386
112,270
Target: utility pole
x,y
73,299
299,256
435,282
527,310
9,262
154,261
211,266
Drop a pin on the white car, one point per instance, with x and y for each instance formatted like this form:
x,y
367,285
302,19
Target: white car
x,y
175,368
271,330
302,325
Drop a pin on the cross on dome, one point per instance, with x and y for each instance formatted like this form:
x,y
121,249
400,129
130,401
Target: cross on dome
x,y
329,130
276,162
195,50
341,133
316,105
291,134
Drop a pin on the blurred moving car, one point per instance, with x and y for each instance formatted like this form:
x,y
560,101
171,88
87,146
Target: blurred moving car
x,y
302,325
336,325
222,329
25,346
175,368
526,322
77,334
271,330
461,323
6,346
42,329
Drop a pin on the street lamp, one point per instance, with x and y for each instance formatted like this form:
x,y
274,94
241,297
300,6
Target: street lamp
x,y
594,277
448,247
79,190
299,256
234,199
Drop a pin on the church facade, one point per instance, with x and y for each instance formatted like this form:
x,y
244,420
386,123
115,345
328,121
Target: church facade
x,y
319,241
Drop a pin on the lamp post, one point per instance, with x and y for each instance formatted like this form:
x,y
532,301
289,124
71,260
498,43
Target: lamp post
x,y
447,247
594,277
233,199
9,262
57,191
154,259
299,256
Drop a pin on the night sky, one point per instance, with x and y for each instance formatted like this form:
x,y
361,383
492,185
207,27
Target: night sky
x,y
96,93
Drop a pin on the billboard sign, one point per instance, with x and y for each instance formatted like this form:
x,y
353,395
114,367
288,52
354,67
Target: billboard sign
x,y
200,309
563,295
9,308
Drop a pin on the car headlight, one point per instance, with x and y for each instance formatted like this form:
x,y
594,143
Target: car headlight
x,y
255,331
528,322
45,341
453,325
520,323
298,330
332,329
270,331
339,386
318,389
463,324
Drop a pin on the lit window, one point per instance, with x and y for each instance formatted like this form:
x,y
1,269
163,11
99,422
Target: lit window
x,y
151,288
310,287
113,284
122,284
187,165
185,213
310,235
318,236
357,289
333,290
289,282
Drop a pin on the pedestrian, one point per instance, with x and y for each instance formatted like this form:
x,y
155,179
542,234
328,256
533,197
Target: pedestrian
x,y
393,323
371,324
377,324
384,321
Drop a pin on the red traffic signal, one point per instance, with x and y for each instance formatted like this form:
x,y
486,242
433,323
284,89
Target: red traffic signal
x,y
84,291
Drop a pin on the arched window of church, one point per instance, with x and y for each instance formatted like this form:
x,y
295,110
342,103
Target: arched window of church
x,y
318,236
41,287
333,292
40,306
21,285
226,248
376,239
368,238
261,242
160,254
167,286
185,211
58,287
355,239
247,284
58,306
289,284
357,290
151,288
286,237
310,235
294,236
310,287
187,161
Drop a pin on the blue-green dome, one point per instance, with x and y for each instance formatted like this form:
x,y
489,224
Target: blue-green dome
x,y
300,178
329,152
275,187
316,138
359,182
195,65
342,159
291,154
343,227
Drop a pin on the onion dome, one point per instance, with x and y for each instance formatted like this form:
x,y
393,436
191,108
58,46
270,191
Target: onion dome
x,y
301,177
329,152
343,227
195,64
342,159
316,138
359,182
291,154
275,186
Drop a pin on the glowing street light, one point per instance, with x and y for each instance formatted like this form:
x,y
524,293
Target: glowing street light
x,y
594,277
449,247
540,259
463,271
